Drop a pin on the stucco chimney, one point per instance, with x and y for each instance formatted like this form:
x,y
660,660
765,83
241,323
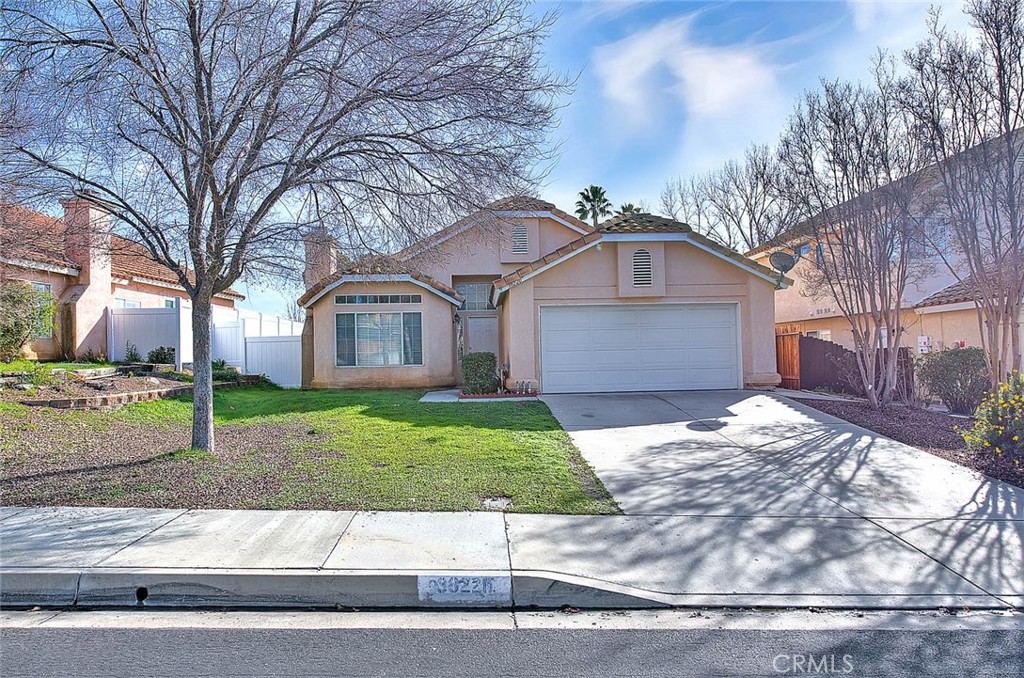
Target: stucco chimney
x,y
87,243
321,256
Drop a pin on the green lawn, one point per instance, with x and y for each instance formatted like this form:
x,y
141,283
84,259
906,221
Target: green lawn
x,y
28,365
300,449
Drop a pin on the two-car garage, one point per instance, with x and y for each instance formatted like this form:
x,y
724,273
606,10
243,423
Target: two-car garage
x,y
639,347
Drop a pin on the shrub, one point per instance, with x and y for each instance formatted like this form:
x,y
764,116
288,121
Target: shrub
x,y
999,421
957,376
479,373
131,353
221,371
91,356
24,312
163,355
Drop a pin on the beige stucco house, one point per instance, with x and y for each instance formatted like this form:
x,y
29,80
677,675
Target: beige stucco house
x,y
939,311
641,303
87,270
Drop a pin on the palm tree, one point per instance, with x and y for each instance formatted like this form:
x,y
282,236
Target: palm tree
x,y
627,207
593,204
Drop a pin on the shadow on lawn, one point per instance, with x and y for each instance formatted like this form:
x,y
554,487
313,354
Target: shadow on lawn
x,y
239,405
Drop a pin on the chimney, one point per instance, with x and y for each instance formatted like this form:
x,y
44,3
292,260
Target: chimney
x,y
87,243
321,256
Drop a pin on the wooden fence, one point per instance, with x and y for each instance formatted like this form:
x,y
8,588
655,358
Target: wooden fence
x,y
808,363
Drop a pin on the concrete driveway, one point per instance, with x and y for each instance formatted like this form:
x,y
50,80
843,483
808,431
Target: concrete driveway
x,y
749,474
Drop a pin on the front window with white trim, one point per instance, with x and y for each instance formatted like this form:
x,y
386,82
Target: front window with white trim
x,y
643,271
127,303
378,339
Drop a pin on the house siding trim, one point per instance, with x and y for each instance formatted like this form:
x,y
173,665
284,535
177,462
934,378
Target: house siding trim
x,y
378,278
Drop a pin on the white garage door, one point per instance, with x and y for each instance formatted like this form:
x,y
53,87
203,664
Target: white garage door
x,y
639,347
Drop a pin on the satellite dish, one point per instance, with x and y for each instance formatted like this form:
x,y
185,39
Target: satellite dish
x,y
783,262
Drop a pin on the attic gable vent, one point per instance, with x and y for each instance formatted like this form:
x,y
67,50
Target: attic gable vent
x,y
520,241
643,275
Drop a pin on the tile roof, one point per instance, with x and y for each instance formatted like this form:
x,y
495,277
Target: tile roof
x,y
956,293
39,238
635,222
378,265
642,222
521,203
32,236
549,258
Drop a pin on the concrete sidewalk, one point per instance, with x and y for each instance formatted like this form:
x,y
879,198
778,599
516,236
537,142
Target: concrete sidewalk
x,y
90,557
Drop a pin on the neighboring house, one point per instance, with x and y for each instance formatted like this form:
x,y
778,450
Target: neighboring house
x,y
939,311
642,303
87,271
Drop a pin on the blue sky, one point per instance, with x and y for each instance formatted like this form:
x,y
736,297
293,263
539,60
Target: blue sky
x,y
669,89
672,88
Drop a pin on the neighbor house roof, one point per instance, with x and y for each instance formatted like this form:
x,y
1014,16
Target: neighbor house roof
x,y
637,224
378,268
33,237
511,206
956,293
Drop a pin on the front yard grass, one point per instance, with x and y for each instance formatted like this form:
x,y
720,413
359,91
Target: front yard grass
x,y
280,449
29,365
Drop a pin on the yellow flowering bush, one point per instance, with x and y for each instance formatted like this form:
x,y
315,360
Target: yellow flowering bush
x,y
999,421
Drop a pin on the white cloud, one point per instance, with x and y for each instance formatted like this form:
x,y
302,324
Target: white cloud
x,y
896,25
692,105
707,82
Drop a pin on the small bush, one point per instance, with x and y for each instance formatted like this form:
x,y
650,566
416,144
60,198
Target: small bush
x,y
957,376
999,421
40,375
479,373
131,353
91,356
162,355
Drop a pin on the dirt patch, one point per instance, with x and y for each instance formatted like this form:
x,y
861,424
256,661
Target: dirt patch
x,y
58,459
86,388
926,430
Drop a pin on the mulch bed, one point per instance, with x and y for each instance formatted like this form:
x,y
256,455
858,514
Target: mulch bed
x,y
82,388
926,430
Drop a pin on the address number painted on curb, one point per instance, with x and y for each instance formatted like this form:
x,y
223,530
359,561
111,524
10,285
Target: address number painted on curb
x,y
465,590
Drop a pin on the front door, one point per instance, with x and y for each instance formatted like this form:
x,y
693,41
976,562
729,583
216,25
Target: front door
x,y
482,334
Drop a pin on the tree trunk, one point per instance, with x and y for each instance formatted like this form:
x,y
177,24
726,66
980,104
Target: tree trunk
x,y
202,372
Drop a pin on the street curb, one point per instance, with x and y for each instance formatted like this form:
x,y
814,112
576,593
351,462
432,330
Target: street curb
x,y
45,588
379,589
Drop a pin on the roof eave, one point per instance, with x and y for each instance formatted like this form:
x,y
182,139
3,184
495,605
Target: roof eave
x,y
377,277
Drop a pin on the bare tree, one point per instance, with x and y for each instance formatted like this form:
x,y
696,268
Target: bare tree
x,y
852,164
216,132
295,313
969,100
685,200
741,204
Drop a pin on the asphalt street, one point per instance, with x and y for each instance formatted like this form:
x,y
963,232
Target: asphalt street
x,y
435,653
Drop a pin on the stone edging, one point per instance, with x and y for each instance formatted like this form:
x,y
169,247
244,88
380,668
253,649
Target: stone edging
x,y
117,399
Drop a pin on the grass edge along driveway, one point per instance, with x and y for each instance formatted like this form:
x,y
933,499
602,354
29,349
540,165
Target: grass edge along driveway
x,y
284,449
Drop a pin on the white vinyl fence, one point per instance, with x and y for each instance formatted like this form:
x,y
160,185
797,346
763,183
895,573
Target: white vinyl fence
x,y
230,333
280,358
253,342
149,328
